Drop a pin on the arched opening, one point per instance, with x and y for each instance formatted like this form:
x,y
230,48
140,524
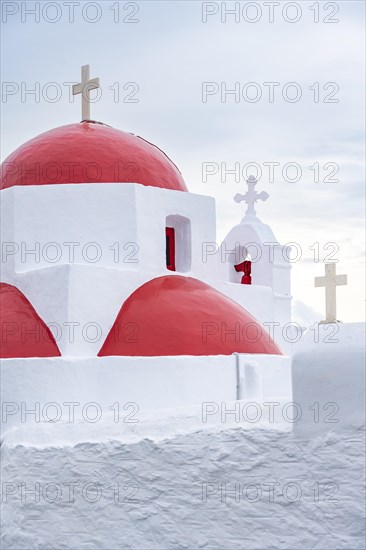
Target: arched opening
x,y
240,265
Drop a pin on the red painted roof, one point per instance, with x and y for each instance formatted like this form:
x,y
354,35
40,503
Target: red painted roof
x,y
22,331
89,152
175,315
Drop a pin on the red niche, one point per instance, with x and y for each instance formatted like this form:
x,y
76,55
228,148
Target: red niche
x,y
89,152
175,315
22,331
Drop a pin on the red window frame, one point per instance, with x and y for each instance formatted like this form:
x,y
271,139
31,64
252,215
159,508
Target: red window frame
x,y
170,248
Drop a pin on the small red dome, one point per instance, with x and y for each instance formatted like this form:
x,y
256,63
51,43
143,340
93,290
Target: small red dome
x,y
22,331
89,152
175,315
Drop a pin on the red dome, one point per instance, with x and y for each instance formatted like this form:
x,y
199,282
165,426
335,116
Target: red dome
x,y
89,152
175,315
22,331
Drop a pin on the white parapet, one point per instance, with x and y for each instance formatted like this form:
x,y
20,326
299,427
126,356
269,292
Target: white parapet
x,y
40,390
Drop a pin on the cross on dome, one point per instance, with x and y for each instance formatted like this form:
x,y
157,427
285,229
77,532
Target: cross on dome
x,y
251,196
84,88
330,281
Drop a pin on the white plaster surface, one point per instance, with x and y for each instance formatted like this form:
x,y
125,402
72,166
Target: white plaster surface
x,y
150,382
170,476
122,226
329,368
104,214
295,489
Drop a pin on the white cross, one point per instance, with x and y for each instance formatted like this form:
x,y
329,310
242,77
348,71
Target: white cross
x,y
251,196
84,88
330,281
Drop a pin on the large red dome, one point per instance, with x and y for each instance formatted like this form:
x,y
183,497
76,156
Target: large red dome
x,y
89,152
175,315
22,331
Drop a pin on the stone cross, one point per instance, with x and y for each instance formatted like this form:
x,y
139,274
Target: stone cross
x,y
330,281
251,196
84,88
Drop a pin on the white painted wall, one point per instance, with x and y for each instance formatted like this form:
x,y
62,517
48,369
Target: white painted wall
x,y
126,223
329,377
226,483
36,216
151,382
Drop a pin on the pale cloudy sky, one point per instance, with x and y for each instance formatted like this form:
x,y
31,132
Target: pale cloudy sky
x,y
168,49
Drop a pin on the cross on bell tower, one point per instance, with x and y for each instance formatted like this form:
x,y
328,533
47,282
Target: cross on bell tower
x,y
84,88
251,196
330,281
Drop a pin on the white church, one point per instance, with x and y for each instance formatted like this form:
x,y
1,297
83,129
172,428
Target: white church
x,y
112,275
118,302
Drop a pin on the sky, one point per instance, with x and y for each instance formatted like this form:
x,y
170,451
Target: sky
x,y
220,87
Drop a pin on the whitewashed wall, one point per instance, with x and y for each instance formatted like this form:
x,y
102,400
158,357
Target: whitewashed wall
x,y
127,223
151,382
172,481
